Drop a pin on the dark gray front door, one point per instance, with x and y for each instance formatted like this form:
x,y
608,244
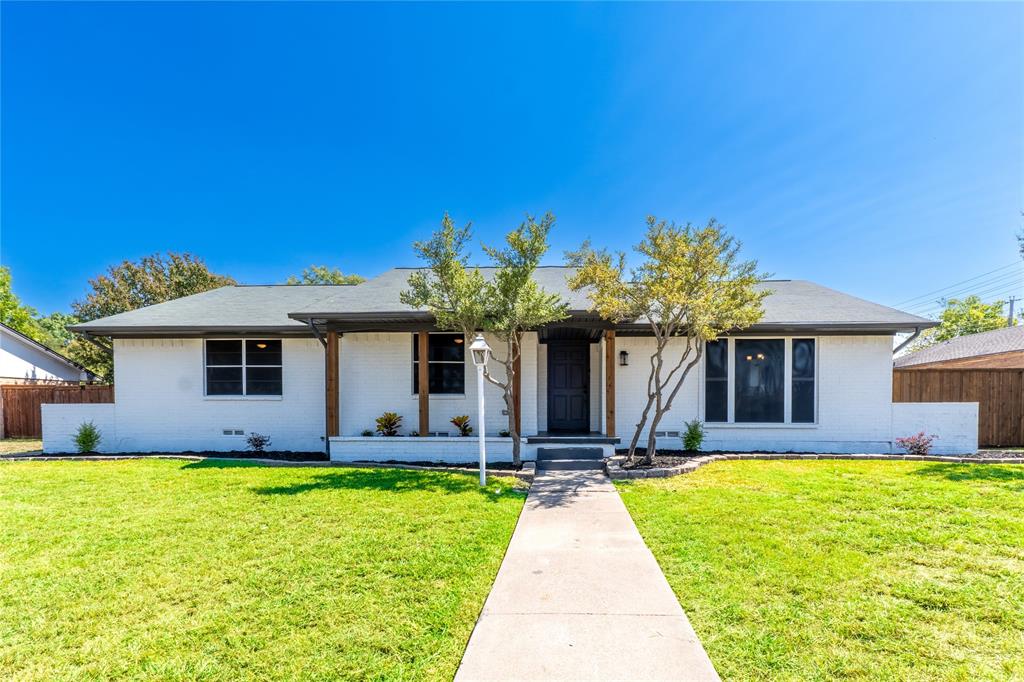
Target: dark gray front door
x,y
569,387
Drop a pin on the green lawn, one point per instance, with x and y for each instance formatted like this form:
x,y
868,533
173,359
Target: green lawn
x,y
226,571
852,570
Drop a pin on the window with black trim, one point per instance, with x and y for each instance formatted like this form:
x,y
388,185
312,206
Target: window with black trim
x,y
716,381
803,381
446,364
250,367
760,379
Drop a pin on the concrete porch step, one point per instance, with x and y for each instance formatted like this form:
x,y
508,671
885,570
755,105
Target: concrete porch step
x,y
570,465
549,454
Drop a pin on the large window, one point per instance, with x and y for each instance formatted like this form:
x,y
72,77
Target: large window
x,y
716,381
250,367
803,381
753,387
446,363
760,378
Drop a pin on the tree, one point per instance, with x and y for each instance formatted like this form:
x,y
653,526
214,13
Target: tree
x,y
13,312
690,284
461,299
133,284
322,274
961,317
55,327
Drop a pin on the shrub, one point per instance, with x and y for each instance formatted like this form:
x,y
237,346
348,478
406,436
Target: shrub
x,y
88,437
367,433
693,437
258,442
388,423
918,444
462,424
504,433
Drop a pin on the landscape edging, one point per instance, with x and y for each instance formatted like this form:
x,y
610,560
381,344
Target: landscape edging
x,y
613,465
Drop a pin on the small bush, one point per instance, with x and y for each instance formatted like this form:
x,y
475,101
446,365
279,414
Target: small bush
x,y
388,423
462,424
367,433
88,437
258,442
693,437
504,433
918,444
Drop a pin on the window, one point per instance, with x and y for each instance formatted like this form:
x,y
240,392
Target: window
x,y
243,368
760,375
716,381
446,364
803,381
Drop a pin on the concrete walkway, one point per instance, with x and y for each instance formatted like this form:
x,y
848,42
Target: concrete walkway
x,y
580,597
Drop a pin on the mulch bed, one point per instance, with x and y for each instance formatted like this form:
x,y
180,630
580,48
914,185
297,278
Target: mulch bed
x,y
672,458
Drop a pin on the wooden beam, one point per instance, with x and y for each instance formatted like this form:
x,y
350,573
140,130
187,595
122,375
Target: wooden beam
x,y
424,382
517,389
609,383
332,356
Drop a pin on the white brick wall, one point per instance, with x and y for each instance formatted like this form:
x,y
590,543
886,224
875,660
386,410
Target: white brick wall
x,y
955,425
61,423
160,403
376,376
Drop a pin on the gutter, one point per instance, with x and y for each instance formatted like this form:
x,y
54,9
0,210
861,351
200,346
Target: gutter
x,y
917,333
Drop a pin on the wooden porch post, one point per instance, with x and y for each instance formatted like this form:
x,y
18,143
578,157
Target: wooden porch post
x,y
331,384
423,372
609,383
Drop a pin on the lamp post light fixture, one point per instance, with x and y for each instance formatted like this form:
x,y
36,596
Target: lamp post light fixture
x,y
480,351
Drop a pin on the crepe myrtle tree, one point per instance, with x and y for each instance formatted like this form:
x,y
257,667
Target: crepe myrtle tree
x,y
690,283
508,304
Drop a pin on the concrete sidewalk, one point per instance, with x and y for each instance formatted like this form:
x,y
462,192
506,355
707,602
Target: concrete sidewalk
x,y
580,597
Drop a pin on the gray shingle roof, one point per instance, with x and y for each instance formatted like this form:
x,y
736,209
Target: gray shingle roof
x,y
793,304
1004,340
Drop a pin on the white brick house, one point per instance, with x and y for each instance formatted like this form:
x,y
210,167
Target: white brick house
x,y
313,366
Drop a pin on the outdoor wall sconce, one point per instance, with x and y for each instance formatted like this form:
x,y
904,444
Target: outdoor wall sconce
x,y
623,358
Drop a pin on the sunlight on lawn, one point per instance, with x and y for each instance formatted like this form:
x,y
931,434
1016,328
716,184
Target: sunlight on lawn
x,y
829,570
171,570
14,446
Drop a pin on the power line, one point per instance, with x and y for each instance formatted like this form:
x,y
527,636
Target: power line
x,y
955,284
936,310
1011,279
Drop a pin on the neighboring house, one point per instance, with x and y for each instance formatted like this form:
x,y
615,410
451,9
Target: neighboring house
x,y
24,360
313,366
987,368
997,349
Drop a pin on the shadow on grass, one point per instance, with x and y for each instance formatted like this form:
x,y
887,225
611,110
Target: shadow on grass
x,y
385,480
1008,473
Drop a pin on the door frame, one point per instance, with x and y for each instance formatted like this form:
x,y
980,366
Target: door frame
x,y
585,345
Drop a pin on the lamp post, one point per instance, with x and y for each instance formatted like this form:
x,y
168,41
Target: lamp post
x,y
480,351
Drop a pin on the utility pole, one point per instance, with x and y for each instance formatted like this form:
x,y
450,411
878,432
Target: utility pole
x,y
1009,318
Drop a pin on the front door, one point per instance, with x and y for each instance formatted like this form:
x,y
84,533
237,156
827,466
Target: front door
x,y
569,387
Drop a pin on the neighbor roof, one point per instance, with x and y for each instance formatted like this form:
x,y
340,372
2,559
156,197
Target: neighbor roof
x,y
4,329
1006,340
793,305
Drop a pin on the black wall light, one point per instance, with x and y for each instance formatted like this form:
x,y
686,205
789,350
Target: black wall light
x,y
623,358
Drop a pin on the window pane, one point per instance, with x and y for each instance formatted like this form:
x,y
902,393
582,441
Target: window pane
x,y
223,352
759,380
223,381
260,352
716,401
263,380
446,347
717,364
803,358
803,401
447,378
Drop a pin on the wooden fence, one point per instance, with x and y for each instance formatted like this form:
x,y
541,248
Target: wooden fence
x,y
20,405
998,392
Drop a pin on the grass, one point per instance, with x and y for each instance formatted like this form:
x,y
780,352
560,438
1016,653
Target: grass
x,y
14,446
845,570
166,570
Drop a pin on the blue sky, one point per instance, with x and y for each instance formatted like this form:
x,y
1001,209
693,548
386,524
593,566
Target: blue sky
x,y
877,149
